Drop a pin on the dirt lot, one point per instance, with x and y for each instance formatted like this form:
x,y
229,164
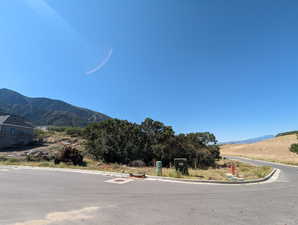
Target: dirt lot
x,y
275,149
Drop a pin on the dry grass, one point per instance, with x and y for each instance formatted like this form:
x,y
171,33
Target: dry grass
x,y
244,170
275,149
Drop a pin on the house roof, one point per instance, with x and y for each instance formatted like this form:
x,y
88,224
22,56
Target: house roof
x,y
3,118
14,121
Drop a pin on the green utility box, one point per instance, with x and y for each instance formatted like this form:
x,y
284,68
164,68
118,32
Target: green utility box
x,y
159,168
181,165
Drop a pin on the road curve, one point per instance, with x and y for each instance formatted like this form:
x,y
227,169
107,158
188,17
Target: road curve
x,y
41,197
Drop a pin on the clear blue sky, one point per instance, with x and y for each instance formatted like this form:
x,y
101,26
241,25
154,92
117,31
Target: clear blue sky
x,y
229,67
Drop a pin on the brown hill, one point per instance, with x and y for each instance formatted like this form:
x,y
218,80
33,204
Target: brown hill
x,y
45,111
275,149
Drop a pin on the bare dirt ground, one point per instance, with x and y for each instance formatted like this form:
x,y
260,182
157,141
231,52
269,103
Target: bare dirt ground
x,y
275,149
51,143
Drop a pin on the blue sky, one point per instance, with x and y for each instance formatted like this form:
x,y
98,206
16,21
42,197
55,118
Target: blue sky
x,y
228,67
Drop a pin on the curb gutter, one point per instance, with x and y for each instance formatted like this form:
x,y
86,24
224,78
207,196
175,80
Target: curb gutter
x,y
216,181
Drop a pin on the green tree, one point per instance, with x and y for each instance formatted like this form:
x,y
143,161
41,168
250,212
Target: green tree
x,y
294,148
123,142
156,137
115,141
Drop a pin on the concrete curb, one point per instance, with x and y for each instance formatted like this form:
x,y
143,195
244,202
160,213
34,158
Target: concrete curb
x,y
259,160
216,181
157,178
52,169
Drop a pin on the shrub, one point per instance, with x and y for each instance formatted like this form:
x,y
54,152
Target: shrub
x,y
137,163
69,155
74,131
57,129
40,134
262,171
294,148
3,158
13,160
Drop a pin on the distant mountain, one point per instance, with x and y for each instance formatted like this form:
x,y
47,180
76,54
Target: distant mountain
x,y
249,141
44,111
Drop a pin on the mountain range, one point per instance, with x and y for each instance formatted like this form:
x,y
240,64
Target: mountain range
x,y
45,111
249,141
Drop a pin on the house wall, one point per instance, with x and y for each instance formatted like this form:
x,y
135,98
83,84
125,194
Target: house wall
x,y
15,135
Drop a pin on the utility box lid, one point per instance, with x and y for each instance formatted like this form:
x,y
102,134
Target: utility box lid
x,y
181,165
180,162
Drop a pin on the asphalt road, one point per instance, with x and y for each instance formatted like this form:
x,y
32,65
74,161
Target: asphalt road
x,y
38,197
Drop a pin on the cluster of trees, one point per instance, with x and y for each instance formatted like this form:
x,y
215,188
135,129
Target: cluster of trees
x,y
71,131
287,133
119,141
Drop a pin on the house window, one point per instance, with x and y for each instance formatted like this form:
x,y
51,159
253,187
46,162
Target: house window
x,y
3,131
13,132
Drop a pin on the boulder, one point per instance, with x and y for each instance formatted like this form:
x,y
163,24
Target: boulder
x,y
38,155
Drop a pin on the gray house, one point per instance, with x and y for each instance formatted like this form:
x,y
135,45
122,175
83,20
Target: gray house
x,y
14,131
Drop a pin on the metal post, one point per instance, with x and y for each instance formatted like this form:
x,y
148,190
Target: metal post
x,y
159,168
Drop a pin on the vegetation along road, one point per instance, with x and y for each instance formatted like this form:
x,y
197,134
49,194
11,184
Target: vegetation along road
x,y
40,196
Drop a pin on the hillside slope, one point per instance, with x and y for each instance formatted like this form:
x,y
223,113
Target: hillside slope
x,y
44,111
275,149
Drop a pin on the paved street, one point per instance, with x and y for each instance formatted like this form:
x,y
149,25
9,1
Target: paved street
x,y
40,197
